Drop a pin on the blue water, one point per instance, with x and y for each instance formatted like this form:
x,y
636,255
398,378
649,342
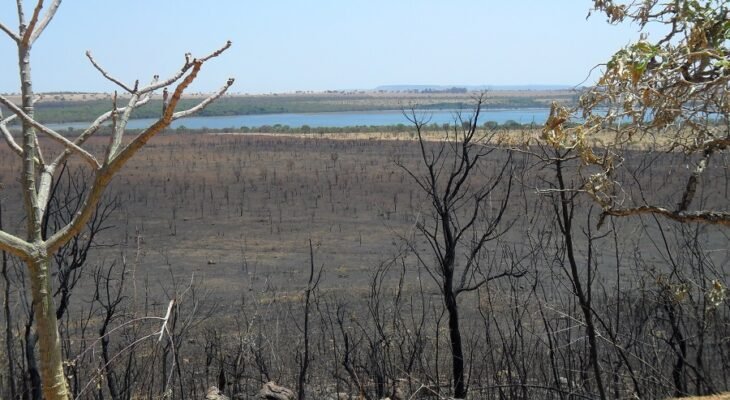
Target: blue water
x,y
335,119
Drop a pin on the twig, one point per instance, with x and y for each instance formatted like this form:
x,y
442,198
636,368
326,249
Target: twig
x,y
10,33
217,52
106,74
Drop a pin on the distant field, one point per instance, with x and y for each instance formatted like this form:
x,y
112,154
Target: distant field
x,y
239,209
72,107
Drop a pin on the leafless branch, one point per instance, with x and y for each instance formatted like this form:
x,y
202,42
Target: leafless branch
x,y
9,32
711,217
161,123
119,126
105,173
94,127
25,40
50,132
14,245
106,74
8,136
44,22
217,52
553,190
204,103
512,274
186,66
21,13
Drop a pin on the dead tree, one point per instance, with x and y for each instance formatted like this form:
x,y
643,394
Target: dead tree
x,y
462,218
304,357
40,167
564,208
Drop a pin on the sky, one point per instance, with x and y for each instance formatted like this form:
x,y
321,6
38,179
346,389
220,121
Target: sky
x,y
290,45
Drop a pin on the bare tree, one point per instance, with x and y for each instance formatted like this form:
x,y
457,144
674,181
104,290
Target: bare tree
x,y
39,168
303,356
670,94
564,205
462,218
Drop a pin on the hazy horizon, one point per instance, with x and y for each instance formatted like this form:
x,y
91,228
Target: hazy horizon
x,y
393,88
287,46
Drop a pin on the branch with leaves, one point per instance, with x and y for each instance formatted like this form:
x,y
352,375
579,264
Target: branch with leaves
x,y
670,94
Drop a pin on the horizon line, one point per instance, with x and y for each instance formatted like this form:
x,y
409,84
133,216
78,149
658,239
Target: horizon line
x,y
392,88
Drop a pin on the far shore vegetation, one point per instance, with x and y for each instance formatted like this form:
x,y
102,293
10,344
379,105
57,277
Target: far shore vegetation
x,y
79,107
404,129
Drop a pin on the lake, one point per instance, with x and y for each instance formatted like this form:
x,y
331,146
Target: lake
x,y
334,119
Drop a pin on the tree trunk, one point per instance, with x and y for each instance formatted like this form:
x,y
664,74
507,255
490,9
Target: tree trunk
x,y
583,298
49,343
111,379
32,379
457,353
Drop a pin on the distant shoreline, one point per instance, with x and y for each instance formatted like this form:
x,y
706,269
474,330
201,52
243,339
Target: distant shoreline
x,y
337,121
60,108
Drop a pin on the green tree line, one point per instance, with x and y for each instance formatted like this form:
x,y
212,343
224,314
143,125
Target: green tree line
x,y
57,110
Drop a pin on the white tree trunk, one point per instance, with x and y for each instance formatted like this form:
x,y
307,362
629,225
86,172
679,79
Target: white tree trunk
x,y
49,344
39,263
38,174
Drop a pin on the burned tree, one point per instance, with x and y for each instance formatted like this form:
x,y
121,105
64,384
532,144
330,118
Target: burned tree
x,y
462,219
40,167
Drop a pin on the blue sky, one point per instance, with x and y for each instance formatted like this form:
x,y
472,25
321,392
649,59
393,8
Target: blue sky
x,y
288,45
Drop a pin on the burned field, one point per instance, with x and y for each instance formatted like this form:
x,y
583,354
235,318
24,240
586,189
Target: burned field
x,y
222,223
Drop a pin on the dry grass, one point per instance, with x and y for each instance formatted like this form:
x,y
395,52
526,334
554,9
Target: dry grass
x,y
503,136
510,137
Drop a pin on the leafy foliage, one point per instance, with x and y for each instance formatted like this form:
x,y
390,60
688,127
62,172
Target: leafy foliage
x,y
672,93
